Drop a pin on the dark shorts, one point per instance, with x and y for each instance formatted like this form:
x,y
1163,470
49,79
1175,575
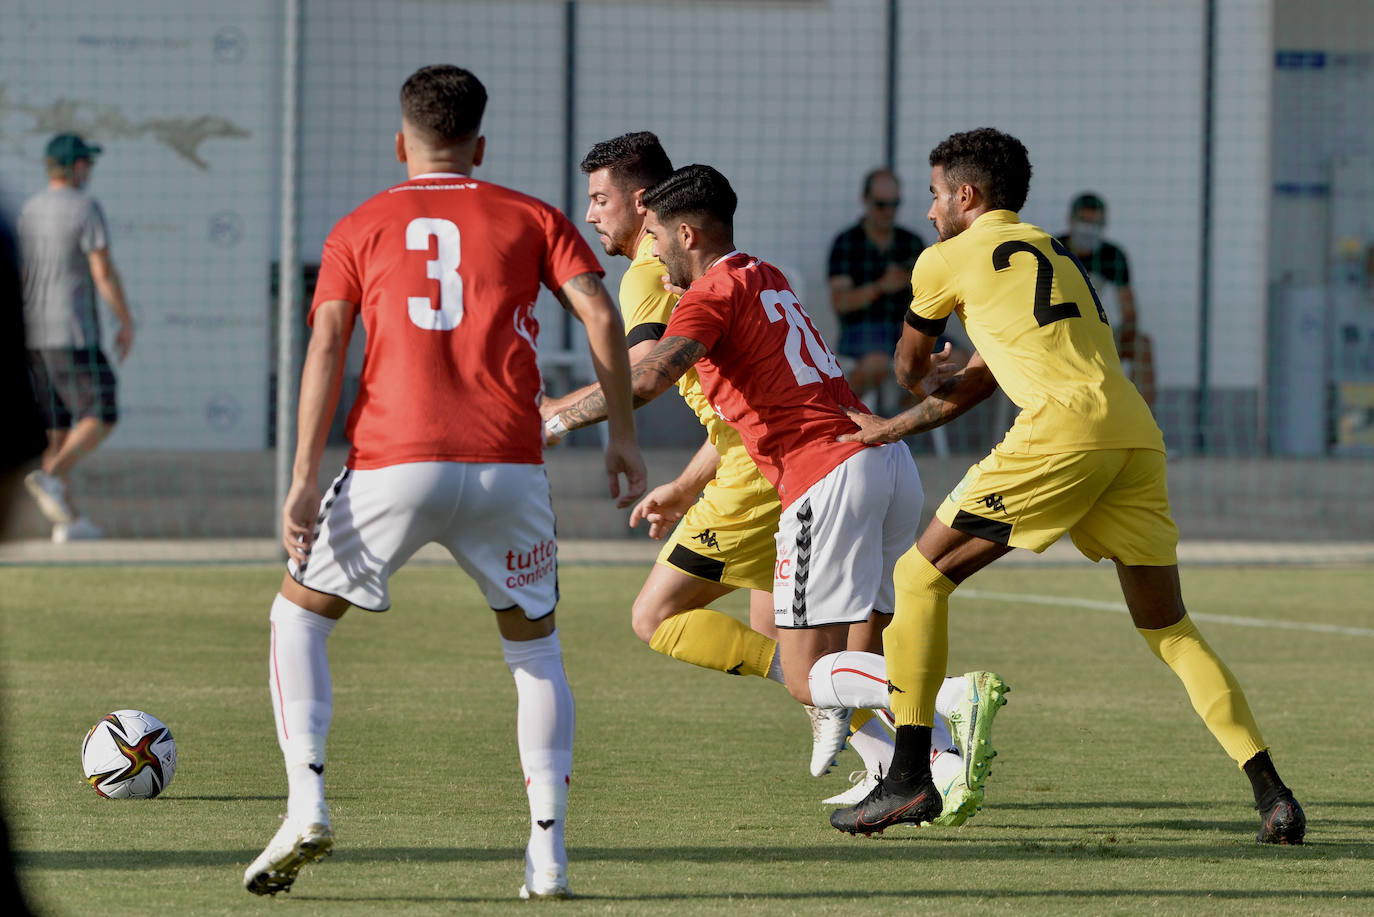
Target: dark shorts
x,y
73,384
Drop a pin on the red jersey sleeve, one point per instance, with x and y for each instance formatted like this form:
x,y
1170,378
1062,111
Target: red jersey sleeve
x,y
700,316
569,255
338,278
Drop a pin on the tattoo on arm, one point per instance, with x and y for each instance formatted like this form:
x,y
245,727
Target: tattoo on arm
x,y
585,283
650,377
665,364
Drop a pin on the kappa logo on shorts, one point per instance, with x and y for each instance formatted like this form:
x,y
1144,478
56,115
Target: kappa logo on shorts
x,y
993,501
707,538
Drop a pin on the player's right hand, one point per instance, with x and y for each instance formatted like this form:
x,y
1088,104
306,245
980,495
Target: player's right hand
x,y
298,519
625,458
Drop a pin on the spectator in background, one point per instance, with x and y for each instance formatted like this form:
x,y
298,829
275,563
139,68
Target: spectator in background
x,y
65,257
1111,275
870,284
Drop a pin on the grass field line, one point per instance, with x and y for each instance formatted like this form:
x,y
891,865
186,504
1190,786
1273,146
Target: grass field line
x,y
1120,608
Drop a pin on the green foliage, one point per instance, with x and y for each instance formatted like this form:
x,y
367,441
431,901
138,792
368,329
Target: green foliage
x,y
691,794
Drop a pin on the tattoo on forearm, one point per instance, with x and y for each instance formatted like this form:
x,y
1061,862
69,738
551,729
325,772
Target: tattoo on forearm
x,y
663,366
589,410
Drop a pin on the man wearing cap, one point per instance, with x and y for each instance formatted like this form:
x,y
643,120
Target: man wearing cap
x,y
65,255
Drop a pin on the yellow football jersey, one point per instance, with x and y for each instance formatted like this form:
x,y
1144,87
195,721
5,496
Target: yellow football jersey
x,y
1031,313
646,308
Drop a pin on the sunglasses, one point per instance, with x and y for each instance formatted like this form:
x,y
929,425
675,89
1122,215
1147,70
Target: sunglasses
x,y
886,205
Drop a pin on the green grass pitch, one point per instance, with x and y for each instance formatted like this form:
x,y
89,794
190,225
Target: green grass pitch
x,y
691,793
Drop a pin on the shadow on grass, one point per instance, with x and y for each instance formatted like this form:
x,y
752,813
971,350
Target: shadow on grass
x,y
877,852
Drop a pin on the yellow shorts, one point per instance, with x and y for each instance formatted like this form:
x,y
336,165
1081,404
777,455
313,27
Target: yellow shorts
x,y
1113,503
728,535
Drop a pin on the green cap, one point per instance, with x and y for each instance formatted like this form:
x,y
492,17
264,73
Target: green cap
x,y
66,149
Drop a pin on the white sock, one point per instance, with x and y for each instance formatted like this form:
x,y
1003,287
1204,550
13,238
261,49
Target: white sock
x,y
849,679
775,667
874,745
940,739
544,728
952,691
302,700
945,767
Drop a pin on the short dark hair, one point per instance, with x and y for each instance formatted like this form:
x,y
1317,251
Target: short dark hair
x,y
1088,200
444,102
875,174
635,160
995,163
694,189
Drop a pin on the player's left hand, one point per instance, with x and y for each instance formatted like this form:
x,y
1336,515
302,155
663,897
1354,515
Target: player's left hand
x,y
873,430
669,287
661,507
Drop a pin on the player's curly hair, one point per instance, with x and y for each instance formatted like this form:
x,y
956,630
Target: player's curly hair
x,y
444,102
696,190
634,160
995,163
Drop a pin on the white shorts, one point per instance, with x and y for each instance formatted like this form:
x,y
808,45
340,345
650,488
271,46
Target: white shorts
x,y
839,541
495,519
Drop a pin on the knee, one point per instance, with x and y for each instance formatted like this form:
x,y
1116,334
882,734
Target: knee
x,y
799,687
645,617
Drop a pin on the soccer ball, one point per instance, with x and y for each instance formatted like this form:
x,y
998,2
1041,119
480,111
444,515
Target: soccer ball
x,y
129,754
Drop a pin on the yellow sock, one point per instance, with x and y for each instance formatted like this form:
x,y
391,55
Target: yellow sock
x,y
1215,694
861,716
714,641
916,643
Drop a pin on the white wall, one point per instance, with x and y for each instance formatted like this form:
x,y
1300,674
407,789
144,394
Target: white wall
x,y
183,106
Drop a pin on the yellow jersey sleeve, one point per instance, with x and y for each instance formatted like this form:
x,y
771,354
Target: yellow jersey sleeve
x,y
933,294
643,301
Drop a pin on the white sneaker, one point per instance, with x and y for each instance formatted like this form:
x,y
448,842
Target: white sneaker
x,y
50,494
863,781
79,529
293,846
829,730
545,883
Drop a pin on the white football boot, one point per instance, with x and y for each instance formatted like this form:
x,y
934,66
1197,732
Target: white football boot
x,y
295,844
829,730
863,781
550,882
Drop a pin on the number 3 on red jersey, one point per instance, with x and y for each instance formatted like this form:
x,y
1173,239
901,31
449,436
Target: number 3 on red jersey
x,y
443,268
782,304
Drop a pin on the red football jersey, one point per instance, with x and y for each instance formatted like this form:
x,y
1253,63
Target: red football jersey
x,y
768,372
444,270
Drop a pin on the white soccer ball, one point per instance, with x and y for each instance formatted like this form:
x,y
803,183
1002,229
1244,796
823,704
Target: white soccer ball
x,y
129,754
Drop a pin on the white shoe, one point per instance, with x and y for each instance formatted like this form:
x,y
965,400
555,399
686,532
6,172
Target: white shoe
x,y
545,883
293,846
829,730
79,529
863,781
50,494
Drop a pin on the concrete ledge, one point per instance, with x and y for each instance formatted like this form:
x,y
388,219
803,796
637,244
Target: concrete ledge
x,y
197,495
639,551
